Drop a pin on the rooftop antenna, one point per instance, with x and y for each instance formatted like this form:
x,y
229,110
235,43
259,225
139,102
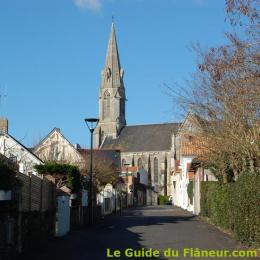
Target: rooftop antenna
x,y
113,18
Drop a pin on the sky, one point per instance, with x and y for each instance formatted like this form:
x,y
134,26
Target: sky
x,y
52,53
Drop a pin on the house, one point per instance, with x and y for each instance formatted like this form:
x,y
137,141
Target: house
x,y
200,174
56,147
16,151
136,184
189,149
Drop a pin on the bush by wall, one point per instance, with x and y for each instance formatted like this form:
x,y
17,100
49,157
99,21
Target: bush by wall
x,y
234,206
67,174
163,199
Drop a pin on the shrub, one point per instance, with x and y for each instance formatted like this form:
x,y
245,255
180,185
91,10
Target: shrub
x,y
246,217
74,180
163,199
65,173
234,206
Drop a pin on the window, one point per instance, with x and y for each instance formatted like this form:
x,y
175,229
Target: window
x,y
106,105
155,170
133,161
140,163
12,158
123,162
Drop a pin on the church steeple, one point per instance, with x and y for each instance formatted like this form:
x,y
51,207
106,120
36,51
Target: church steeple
x,y
113,71
111,94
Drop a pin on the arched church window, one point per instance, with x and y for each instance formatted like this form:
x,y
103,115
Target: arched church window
x,y
156,170
106,105
133,161
123,163
139,163
108,72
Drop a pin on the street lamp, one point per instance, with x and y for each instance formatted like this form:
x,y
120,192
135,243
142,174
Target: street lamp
x,y
91,124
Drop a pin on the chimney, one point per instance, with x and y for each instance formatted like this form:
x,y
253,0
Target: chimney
x,y
77,146
3,126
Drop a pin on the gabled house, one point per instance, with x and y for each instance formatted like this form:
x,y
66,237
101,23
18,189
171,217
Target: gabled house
x,y
56,147
15,151
189,149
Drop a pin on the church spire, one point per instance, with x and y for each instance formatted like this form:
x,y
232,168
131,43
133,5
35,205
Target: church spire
x,y
111,95
113,73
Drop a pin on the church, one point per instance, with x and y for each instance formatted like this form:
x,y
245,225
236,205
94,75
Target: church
x,y
147,146
161,154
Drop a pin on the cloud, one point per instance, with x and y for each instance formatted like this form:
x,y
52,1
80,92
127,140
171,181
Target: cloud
x,y
93,5
96,5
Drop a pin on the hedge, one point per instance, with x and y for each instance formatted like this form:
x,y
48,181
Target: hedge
x,y
68,172
234,206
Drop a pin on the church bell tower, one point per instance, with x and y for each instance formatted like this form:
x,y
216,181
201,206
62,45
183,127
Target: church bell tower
x,y
111,95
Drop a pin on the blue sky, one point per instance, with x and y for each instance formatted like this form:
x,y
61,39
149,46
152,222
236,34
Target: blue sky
x,y
52,53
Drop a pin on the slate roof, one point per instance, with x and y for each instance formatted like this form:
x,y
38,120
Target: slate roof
x,y
156,137
106,156
102,154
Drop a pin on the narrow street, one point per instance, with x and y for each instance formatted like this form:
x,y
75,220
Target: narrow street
x,y
150,227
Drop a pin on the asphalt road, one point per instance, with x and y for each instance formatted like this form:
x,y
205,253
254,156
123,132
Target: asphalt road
x,y
159,228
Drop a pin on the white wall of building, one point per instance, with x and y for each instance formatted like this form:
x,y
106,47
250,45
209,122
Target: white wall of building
x,y
55,147
15,151
180,181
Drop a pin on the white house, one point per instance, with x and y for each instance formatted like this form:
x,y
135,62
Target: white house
x,y
16,151
56,147
188,148
185,149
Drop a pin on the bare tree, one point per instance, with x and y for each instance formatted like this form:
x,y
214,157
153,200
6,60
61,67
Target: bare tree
x,y
225,93
104,169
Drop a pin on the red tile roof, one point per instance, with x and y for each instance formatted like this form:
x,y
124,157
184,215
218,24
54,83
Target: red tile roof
x,y
192,147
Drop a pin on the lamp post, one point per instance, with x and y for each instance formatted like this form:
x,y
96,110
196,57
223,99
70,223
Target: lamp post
x,y
91,124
